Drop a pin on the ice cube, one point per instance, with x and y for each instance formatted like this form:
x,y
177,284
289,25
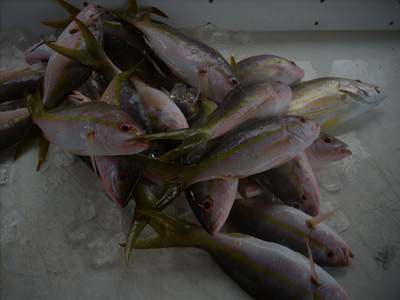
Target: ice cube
x,y
220,37
63,159
5,174
9,227
105,250
109,214
74,228
330,181
244,38
19,37
12,58
204,32
50,184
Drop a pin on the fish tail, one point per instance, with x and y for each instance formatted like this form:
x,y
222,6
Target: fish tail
x,y
94,57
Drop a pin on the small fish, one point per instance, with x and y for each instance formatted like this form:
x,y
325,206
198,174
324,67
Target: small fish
x,y
294,184
330,100
326,149
14,82
13,126
211,201
199,65
120,176
246,101
265,270
289,227
94,128
39,51
64,74
269,67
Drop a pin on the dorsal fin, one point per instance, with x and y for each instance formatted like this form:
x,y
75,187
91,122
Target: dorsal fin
x,y
314,277
311,223
233,64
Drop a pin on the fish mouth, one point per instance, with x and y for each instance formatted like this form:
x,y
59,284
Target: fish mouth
x,y
344,151
216,226
347,254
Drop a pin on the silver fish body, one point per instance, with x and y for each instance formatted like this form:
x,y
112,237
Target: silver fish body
x,y
330,100
14,82
287,226
294,184
69,127
190,60
13,125
269,67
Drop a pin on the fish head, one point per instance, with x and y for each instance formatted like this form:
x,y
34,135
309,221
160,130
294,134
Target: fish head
x,y
303,131
366,94
288,72
220,82
309,199
120,177
117,131
328,148
334,252
211,202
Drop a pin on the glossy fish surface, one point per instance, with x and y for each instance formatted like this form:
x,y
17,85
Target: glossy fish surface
x,y
330,100
13,125
287,226
269,67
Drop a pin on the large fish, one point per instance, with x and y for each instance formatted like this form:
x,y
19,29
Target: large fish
x,y
93,128
290,227
269,67
294,184
330,100
196,63
265,270
246,101
64,74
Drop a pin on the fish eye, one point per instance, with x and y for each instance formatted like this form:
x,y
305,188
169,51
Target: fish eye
x,y
207,204
303,197
125,127
330,254
293,63
123,176
303,120
377,90
164,129
234,81
327,139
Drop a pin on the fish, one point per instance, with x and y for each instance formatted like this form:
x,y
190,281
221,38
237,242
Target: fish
x,y
278,223
330,100
211,201
269,67
93,128
246,101
13,126
194,62
263,269
120,176
64,74
13,82
165,115
252,148
38,52
294,184
326,149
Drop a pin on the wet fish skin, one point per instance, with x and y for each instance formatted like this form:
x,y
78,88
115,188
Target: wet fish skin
x,y
294,184
261,268
64,74
278,223
332,100
269,67
13,126
189,59
211,201
39,51
326,149
13,82
69,128
120,177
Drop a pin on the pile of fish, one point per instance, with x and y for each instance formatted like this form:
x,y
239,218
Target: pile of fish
x,y
157,113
